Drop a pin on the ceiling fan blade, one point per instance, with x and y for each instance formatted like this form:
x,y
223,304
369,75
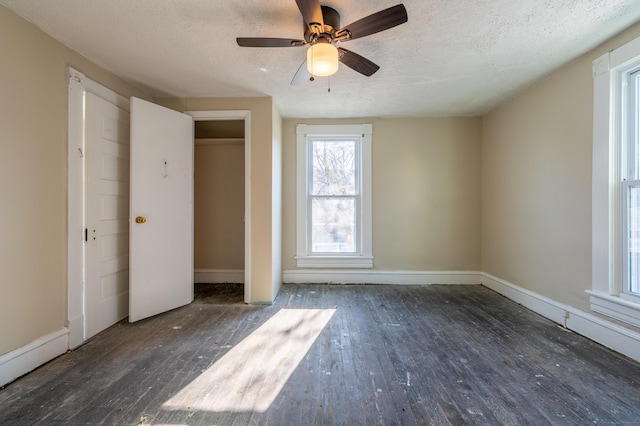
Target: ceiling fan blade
x,y
268,42
302,75
311,12
379,21
356,62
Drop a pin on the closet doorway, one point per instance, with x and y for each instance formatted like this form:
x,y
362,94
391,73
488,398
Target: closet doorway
x,y
219,210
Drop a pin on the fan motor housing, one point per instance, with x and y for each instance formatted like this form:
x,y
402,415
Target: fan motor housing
x,y
331,24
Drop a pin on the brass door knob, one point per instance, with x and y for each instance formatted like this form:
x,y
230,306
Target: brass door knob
x,y
141,219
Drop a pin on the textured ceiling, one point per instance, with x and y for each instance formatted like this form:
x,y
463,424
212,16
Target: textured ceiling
x,y
453,57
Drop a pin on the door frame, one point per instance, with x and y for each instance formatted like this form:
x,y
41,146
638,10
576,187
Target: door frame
x,y
246,116
78,85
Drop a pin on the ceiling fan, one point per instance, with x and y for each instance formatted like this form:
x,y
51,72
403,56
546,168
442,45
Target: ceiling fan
x,y
322,31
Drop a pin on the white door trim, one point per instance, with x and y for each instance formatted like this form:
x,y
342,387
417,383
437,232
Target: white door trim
x,y
78,85
246,116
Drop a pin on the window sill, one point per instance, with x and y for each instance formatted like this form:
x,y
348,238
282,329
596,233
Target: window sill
x,y
615,307
334,262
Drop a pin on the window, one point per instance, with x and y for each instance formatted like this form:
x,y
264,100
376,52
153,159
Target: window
x,y
630,181
334,196
616,184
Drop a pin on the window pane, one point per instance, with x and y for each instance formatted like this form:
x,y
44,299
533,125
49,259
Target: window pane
x,y
333,225
634,240
631,151
334,167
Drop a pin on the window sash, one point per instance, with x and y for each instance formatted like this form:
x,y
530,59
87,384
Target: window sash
x,y
630,192
357,245
629,124
357,166
631,237
311,250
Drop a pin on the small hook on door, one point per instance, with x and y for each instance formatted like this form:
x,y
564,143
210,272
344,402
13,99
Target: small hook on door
x,y
165,173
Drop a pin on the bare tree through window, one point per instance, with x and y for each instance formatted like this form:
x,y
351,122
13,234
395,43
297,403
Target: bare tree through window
x,y
334,190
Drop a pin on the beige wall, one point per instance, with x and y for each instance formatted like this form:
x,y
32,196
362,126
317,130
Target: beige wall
x,y
426,192
33,178
536,206
262,148
219,206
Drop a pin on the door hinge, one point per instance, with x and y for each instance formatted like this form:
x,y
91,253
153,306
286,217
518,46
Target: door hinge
x,y
86,235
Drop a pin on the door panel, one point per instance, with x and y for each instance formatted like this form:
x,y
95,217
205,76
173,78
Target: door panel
x,y
106,214
161,248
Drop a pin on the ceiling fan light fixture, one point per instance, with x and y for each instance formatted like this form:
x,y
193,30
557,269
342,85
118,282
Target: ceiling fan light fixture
x,y
322,59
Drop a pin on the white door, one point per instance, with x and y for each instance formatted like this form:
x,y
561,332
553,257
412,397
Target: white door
x,y
161,210
106,214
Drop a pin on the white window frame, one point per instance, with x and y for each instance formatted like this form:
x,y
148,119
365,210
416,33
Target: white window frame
x,y
364,257
607,295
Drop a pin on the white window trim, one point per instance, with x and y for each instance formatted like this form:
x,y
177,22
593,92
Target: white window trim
x,y
606,294
365,258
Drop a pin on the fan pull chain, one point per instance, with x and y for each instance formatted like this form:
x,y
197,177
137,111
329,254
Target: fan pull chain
x,y
329,84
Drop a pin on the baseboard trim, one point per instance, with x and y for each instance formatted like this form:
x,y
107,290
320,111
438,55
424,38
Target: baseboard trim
x,y
542,305
217,276
372,276
606,333
29,357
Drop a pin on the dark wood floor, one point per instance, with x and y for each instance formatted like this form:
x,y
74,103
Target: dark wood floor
x,y
392,355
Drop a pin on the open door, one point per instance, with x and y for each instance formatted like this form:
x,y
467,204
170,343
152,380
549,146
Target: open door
x,y
161,210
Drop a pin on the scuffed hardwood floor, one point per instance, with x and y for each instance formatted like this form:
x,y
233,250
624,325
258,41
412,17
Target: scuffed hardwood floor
x,y
331,354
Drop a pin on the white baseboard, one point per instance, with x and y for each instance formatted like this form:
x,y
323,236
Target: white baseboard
x,y
29,357
372,276
544,306
217,276
606,333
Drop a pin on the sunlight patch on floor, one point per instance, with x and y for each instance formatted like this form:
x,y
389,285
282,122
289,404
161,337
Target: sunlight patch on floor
x,y
251,375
